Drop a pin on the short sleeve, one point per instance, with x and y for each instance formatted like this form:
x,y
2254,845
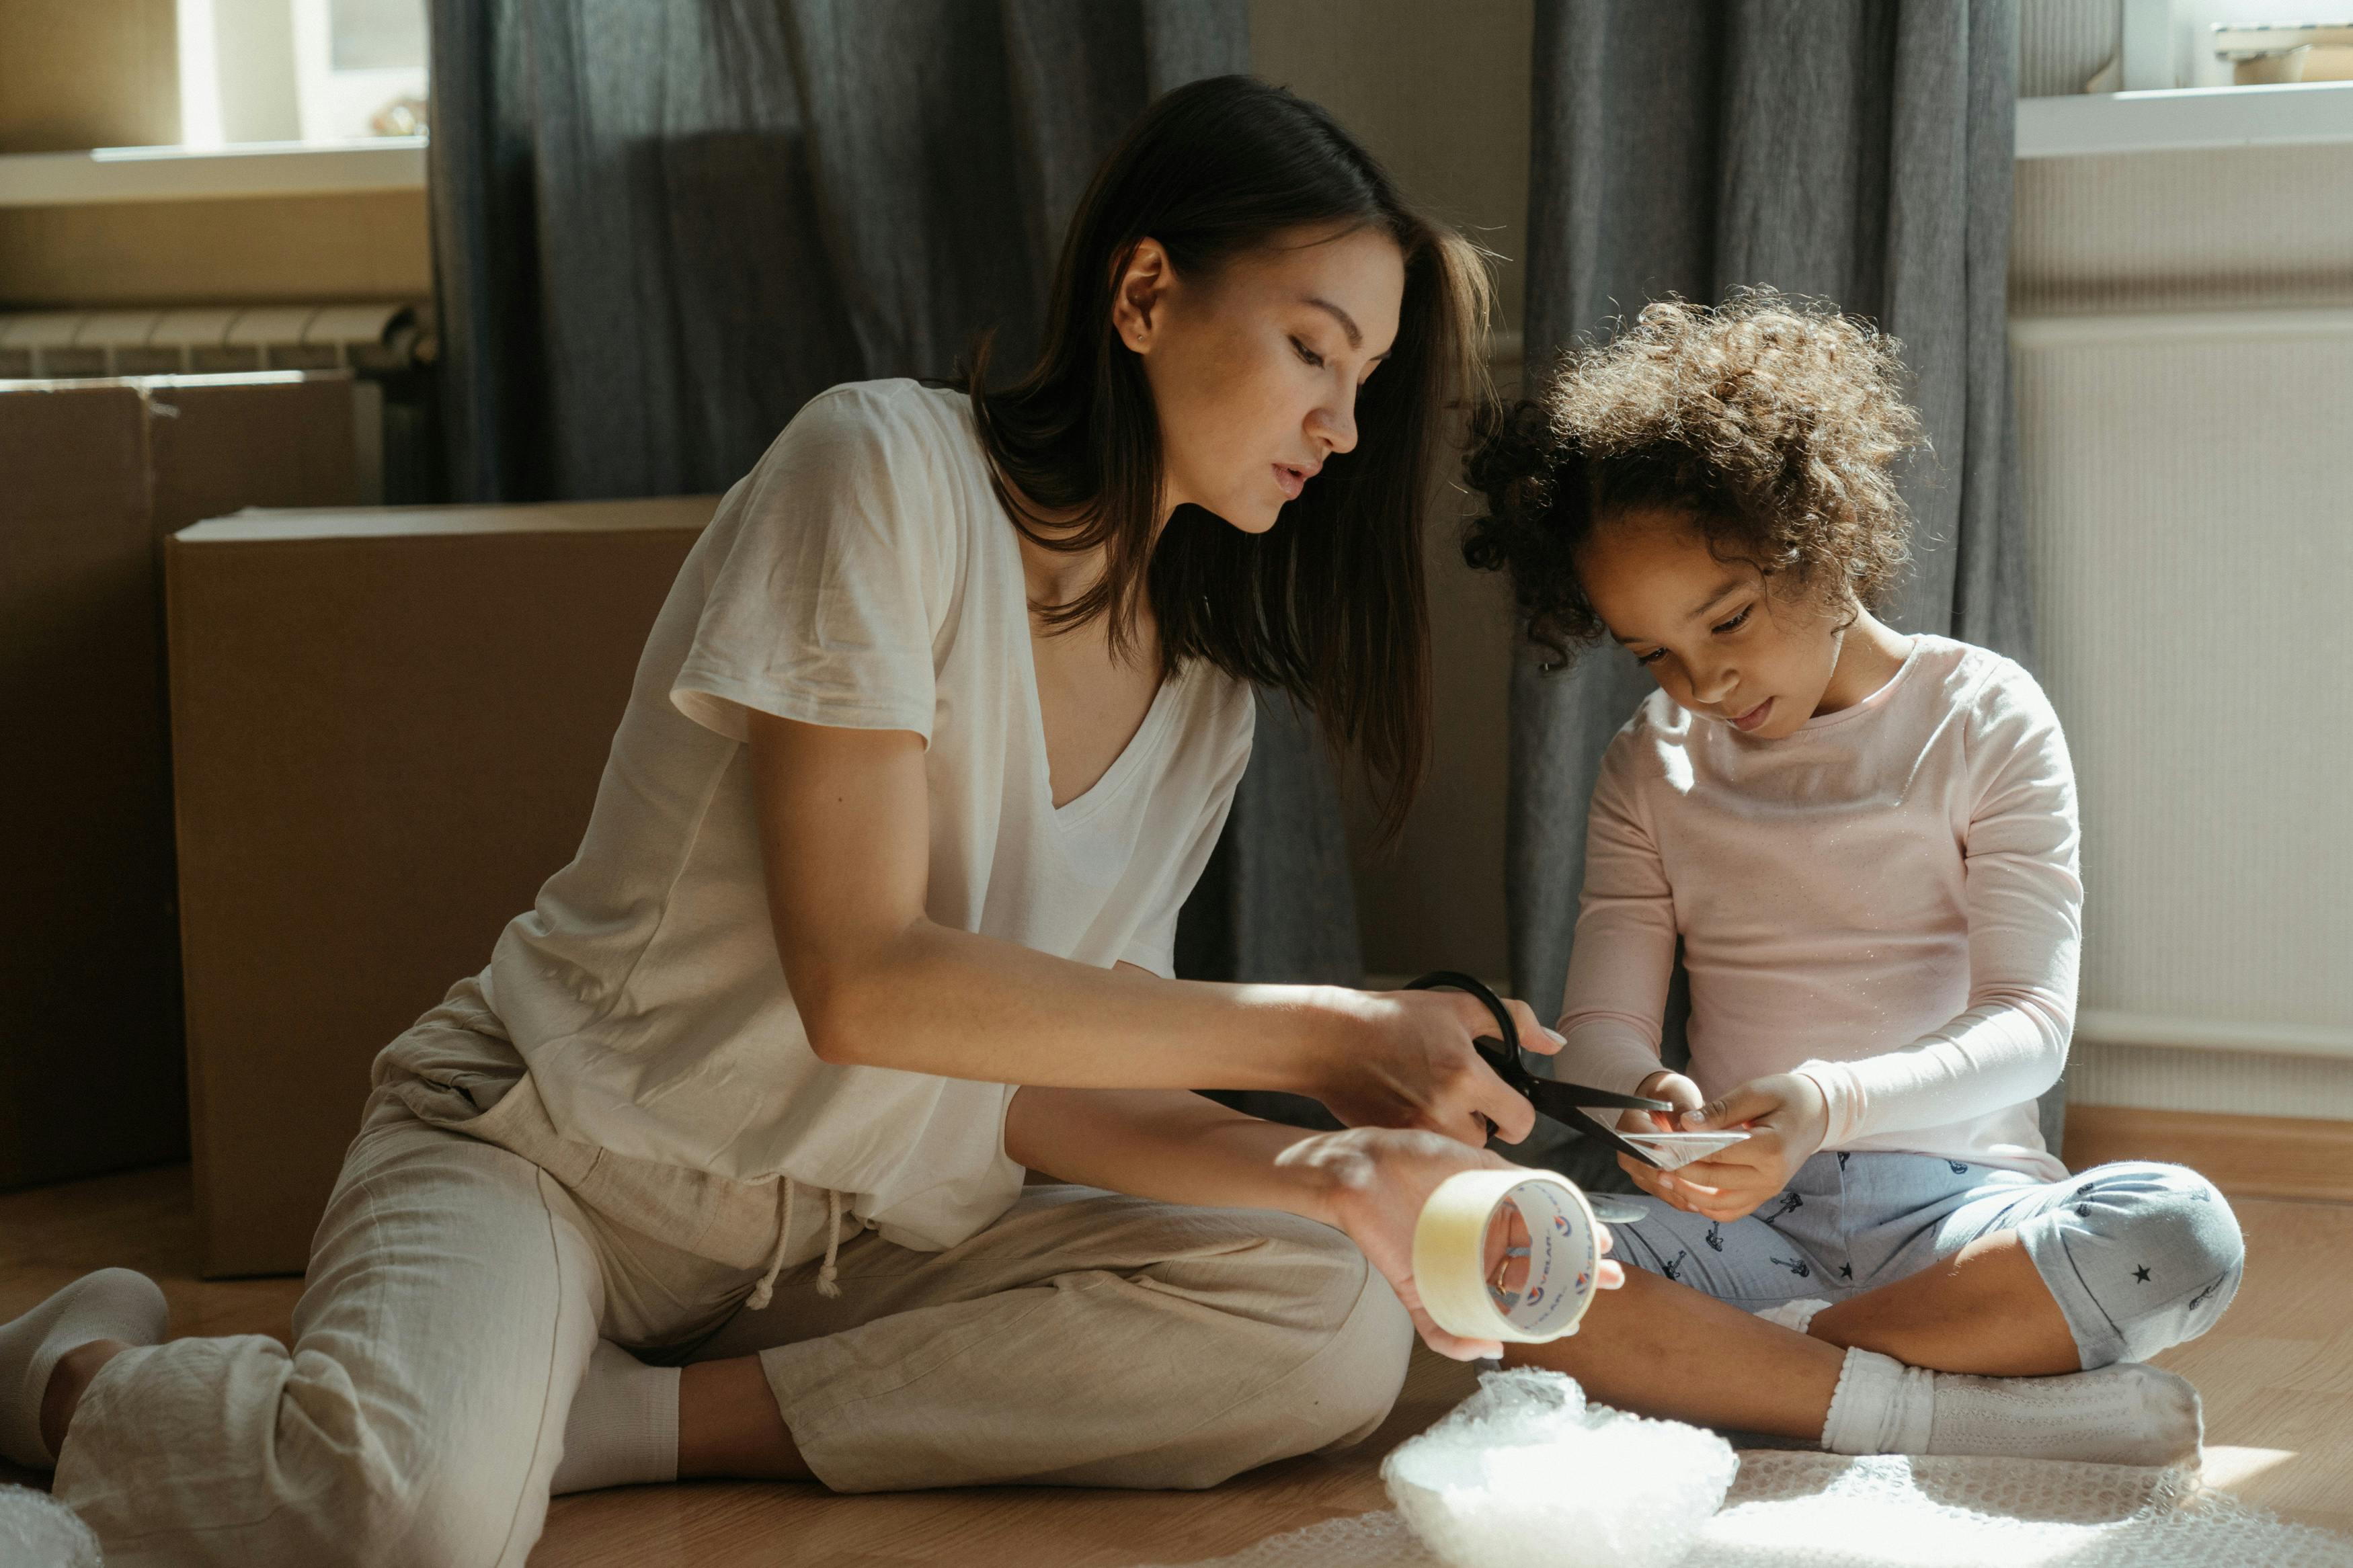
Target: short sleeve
x,y
827,574
1154,947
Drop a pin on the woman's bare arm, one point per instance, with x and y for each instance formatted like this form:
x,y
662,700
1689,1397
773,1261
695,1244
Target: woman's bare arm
x,y
844,826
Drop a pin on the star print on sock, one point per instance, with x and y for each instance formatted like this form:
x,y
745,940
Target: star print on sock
x,y
2141,1273
1846,1271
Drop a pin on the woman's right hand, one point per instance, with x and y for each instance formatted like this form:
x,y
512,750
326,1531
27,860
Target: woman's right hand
x,y
1408,1061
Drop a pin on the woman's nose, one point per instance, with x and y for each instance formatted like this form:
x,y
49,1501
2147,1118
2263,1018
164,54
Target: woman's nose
x,y
1334,425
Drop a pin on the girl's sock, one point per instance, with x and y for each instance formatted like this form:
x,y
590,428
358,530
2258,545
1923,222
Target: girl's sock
x,y
111,1304
1793,1314
623,1429
2127,1413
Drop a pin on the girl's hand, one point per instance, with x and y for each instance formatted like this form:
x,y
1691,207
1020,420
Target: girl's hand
x,y
1375,1182
1408,1061
1786,1117
1684,1096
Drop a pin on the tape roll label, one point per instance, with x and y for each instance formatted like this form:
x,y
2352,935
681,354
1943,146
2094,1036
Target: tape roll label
x,y
1450,1256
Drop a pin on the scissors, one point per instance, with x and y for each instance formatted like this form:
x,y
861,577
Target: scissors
x,y
1555,1100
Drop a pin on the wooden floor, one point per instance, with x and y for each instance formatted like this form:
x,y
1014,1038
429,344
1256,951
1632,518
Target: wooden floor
x,y
2277,1377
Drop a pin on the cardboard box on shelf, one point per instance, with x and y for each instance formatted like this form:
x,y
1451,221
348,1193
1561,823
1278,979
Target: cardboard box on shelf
x,y
93,474
388,726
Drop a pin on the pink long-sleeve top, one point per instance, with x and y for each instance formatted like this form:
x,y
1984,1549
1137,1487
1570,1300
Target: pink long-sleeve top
x,y
1887,901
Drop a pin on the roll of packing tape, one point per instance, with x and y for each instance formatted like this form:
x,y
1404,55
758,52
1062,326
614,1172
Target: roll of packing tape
x,y
1450,1256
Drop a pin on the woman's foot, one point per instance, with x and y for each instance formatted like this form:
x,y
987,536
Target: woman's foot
x,y
112,1306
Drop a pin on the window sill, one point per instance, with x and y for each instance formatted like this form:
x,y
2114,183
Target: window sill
x,y
2292,115
123,175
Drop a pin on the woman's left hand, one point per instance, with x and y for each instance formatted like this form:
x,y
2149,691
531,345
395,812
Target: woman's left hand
x,y
1786,1118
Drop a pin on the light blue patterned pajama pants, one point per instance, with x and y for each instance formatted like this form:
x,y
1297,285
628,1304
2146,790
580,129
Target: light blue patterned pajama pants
x,y
2138,1256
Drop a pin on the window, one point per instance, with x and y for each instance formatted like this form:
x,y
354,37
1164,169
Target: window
x,y
300,71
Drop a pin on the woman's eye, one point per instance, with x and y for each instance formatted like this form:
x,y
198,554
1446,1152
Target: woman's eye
x,y
1652,657
1308,354
1735,624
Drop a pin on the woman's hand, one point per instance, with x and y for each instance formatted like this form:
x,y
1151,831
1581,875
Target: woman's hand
x,y
1408,1061
1375,1182
1684,1096
1786,1117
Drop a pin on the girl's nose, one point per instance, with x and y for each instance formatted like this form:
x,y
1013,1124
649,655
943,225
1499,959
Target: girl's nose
x,y
1711,687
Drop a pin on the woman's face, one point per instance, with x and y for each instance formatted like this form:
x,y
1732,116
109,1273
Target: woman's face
x,y
1714,634
1255,369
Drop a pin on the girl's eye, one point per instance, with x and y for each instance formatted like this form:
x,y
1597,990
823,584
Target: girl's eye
x,y
1652,657
1733,625
1308,354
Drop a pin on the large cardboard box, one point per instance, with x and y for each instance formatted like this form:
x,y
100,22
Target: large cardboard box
x,y
387,729
92,475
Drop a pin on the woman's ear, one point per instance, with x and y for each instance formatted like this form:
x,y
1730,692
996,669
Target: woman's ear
x,y
1137,299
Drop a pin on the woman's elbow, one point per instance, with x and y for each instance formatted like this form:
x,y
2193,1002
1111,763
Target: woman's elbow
x,y
834,1020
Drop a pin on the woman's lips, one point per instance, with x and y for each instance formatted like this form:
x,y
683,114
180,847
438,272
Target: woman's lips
x,y
1754,717
1293,480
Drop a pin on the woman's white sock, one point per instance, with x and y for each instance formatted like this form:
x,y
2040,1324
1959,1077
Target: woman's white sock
x,y
623,1429
111,1304
2127,1413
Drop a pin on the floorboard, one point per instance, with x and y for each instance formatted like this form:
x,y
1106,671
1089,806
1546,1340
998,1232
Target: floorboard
x,y
2277,1377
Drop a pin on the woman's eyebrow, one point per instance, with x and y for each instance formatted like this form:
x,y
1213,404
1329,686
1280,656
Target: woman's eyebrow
x,y
1347,322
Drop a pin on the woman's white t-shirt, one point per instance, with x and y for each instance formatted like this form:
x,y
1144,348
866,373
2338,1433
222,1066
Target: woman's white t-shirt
x,y
864,576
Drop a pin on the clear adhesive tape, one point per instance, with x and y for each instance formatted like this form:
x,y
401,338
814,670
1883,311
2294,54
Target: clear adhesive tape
x,y
1450,1256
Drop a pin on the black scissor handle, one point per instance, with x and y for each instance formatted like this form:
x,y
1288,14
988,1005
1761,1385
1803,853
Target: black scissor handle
x,y
1504,1055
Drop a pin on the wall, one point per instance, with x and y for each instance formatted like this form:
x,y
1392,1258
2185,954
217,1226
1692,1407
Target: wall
x,y
2183,333
368,245
1439,93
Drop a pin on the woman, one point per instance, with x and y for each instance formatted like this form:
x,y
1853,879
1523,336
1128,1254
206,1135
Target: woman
x,y
874,913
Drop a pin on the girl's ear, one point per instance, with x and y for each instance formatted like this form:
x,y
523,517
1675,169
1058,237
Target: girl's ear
x,y
1136,299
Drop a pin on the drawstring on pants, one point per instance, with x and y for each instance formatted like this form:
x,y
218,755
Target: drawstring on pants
x,y
827,1284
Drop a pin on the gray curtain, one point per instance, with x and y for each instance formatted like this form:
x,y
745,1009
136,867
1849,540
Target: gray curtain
x,y
661,227
1856,149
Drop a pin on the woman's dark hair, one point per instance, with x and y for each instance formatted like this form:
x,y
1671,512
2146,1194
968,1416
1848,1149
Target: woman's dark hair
x,y
1773,425
1328,605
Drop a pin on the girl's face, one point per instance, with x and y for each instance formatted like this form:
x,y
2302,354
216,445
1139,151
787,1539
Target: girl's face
x,y
1254,371
1714,634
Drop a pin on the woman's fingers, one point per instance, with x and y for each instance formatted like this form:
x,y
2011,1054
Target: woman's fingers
x,y
1534,1034
1610,1275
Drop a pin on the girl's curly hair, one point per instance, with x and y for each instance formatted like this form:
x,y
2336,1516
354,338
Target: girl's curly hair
x,y
1773,424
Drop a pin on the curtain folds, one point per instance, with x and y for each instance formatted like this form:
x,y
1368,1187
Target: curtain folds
x,y
1856,149
658,229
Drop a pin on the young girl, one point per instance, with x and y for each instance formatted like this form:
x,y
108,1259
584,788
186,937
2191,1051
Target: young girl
x,y
874,915
1865,843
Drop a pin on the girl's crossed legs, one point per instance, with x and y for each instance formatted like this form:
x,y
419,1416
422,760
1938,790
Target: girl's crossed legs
x,y
1937,1264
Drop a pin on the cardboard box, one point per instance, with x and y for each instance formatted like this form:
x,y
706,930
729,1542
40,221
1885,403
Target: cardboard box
x,y
387,731
91,475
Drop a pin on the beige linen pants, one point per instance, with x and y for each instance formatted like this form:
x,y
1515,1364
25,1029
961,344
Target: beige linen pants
x,y
456,1290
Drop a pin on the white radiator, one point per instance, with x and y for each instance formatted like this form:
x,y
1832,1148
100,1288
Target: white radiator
x,y
2189,485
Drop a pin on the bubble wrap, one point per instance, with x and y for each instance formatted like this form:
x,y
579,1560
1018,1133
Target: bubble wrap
x,y
1526,1462
39,1532
1803,1510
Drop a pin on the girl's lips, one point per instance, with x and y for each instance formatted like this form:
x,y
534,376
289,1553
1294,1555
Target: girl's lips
x,y
1292,480
1754,717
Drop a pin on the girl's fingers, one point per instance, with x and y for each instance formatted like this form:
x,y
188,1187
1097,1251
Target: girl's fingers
x,y
1610,1275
